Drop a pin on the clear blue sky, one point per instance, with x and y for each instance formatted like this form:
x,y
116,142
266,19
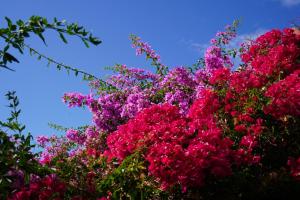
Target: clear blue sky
x,y
176,29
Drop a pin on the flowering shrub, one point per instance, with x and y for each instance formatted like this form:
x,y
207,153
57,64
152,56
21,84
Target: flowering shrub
x,y
295,167
212,132
274,53
285,96
17,161
48,187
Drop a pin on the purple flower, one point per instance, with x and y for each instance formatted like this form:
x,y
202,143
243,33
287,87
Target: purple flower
x,y
45,158
74,99
213,58
18,178
179,85
135,102
42,140
75,136
144,47
108,117
90,132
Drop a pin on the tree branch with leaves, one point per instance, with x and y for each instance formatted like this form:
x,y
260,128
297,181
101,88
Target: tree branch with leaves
x,y
15,35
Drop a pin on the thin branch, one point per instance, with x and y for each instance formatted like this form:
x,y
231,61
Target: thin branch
x,y
67,67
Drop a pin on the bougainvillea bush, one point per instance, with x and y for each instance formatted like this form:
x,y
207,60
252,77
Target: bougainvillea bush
x,y
217,130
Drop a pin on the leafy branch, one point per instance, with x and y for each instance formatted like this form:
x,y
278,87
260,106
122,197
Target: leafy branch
x,y
15,34
16,157
12,121
143,47
59,66
61,128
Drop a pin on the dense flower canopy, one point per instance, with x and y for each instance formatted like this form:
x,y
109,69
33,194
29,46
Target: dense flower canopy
x,y
177,131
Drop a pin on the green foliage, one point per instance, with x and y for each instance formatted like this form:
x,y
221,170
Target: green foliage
x,y
61,128
130,181
14,36
15,151
12,122
57,127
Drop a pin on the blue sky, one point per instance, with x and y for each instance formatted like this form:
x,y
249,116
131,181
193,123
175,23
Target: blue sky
x,y
178,30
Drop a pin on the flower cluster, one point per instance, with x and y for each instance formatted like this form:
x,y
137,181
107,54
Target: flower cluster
x,y
42,140
188,128
130,77
274,53
75,136
17,177
41,189
179,87
144,47
200,143
77,99
135,102
294,165
224,37
215,60
285,96
175,154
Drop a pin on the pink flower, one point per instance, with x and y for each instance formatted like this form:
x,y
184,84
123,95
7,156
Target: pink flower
x,y
294,165
42,140
75,136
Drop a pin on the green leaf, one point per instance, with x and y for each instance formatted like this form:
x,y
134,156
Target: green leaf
x,y
9,22
26,34
17,46
63,38
42,37
20,23
94,41
85,43
6,48
13,27
10,58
